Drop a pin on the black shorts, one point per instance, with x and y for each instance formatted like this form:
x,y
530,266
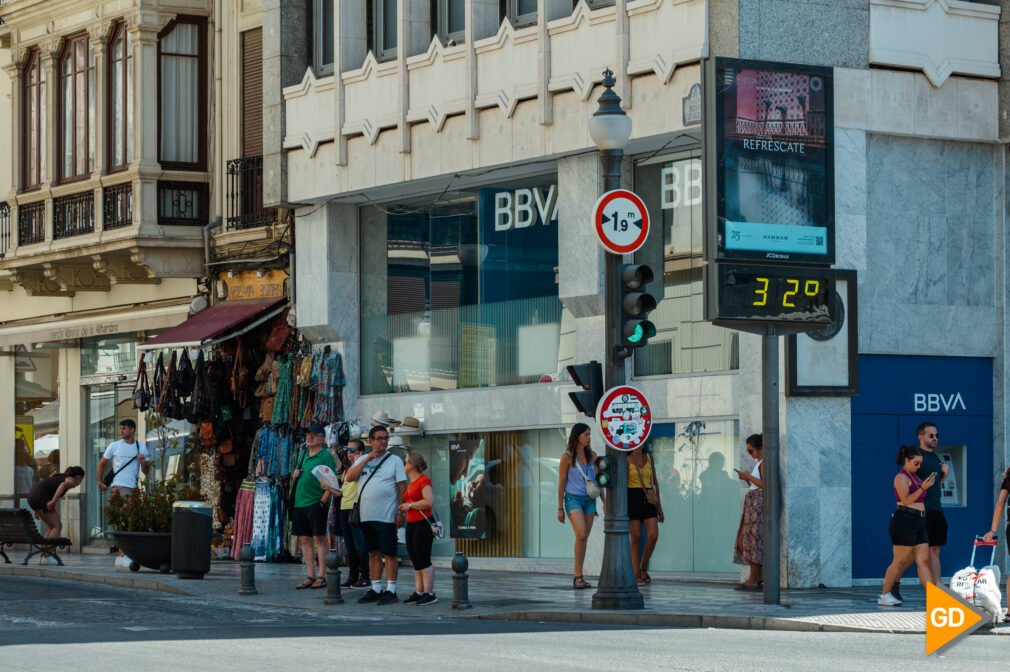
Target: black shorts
x,y
907,528
309,521
37,505
638,508
379,537
936,528
419,541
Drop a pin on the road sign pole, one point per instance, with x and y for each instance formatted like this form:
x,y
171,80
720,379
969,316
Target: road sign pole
x,y
617,588
771,464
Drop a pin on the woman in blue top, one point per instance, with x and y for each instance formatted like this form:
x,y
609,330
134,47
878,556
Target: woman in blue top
x,y
576,467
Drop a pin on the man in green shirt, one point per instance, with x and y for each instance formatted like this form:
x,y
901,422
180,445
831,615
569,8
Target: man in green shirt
x,y
308,520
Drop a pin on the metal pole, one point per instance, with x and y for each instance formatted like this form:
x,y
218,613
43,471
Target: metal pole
x,y
770,438
333,595
247,571
460,582
617,587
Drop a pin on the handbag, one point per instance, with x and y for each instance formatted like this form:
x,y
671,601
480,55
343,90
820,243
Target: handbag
x,y
651,496
142,389
111,475
437,528
354,517
592,487
280,332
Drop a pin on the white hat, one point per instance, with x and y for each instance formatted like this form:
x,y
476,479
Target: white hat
x,y
382,418
396,442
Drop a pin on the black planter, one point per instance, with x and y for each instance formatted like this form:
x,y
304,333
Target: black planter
x,y
147,549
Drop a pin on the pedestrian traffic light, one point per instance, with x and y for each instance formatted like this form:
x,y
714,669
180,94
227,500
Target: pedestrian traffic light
x,y
636,304
589,377
604,475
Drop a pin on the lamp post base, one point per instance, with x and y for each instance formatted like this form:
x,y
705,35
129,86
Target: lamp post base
x,y
618,599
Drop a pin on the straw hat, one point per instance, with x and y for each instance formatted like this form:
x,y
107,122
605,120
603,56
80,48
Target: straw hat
x,y
382,418
411,422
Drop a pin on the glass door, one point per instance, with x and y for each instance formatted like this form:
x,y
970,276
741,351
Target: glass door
x,y
106,404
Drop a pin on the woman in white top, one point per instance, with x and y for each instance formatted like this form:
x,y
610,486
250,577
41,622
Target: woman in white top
x,y
749,547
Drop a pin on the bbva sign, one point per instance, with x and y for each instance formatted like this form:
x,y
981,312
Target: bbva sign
x,y
935,402
519,209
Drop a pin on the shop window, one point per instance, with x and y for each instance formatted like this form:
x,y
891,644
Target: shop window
x,y
182,76
33,122
37,419
76,67
322,36
463,294
120,116
671,187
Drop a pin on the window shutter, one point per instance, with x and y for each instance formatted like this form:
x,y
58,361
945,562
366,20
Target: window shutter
x,y
252,93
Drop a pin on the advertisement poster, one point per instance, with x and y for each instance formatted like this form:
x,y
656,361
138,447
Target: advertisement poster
x,y
470,512
774,155
25,474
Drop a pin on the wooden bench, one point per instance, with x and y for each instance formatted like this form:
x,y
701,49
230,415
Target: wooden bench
x,y
17,526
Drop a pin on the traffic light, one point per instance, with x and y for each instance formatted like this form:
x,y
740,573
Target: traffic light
x,y
636,304
589,377
604,476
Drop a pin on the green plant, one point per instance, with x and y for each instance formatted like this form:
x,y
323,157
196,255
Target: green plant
x,y
145,511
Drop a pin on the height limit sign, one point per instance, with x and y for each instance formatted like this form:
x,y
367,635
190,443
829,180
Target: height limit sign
x,y
621,221
624,417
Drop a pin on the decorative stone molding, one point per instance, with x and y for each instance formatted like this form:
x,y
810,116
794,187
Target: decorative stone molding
x,y
75,277
372,98
938,37
120,270
303,101
168,262
35,283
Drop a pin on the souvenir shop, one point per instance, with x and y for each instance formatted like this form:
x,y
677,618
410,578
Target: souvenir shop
x,y
230,393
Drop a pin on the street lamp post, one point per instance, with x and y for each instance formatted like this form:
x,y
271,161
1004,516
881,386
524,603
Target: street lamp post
x,y
610,129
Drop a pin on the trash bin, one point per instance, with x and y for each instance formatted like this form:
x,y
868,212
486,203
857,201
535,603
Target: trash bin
x,y
191,534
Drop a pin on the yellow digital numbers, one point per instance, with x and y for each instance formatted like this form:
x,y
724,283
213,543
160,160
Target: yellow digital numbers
x,y
812,287
762,293
794,289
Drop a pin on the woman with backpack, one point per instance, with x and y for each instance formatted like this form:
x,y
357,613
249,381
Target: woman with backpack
x,y
1001,501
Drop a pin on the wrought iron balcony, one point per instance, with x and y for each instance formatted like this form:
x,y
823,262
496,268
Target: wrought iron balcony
x,y
117,206
245,195
5,228
183,203
73,215
32,223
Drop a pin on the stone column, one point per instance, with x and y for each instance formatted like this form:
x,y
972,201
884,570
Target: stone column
x,y
145,123
285,58
50,159
349,50
98,45
13,71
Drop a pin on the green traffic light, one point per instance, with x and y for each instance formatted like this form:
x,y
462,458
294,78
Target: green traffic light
x,y
637,336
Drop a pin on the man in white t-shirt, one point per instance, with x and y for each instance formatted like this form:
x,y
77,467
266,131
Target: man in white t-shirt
x,y
128,457
381,484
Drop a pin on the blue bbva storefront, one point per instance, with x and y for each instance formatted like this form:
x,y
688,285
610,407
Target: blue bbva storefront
x,y
896,393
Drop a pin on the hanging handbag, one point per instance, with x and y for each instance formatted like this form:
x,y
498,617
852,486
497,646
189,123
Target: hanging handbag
x,y
184,377
279,333
651,496
592,487
354,518
142,388
437,528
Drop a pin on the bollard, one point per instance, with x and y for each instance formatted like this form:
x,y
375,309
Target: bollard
x,y
460,589
248,570
333,578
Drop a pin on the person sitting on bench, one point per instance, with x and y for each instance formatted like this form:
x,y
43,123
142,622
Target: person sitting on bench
x,y
43,497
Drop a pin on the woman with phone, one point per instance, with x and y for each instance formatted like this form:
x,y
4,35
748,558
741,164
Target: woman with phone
x,y
908,523
749,547
644,510
1001,501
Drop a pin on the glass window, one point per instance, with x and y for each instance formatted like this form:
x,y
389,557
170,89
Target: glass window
x,y
323,39
464,293
182,87
109,354
452,20
120,117
77,97
385,29
107,405
37,418
522,11
33,128
684,341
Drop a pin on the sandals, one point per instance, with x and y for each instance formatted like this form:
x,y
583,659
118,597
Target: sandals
x,y
1006,616
307,583
640,581
646,577
748,586
320,582
579,583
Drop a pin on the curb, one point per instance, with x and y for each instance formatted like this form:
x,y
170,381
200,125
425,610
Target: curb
x,y
124,581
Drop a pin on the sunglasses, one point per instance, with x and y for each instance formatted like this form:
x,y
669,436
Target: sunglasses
x,y
933,436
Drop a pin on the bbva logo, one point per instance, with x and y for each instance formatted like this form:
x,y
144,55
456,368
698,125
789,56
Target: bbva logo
x,y
934,403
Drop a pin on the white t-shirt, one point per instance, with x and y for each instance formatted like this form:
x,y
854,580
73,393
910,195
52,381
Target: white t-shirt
x,y
378,500
119,453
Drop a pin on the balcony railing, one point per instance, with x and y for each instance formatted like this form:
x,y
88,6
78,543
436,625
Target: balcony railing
x,y
73,215
5,228
32,223
245,195
117,206
182,203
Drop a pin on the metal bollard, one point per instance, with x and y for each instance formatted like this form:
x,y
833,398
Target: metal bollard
x,y
248,569
460,581
333,578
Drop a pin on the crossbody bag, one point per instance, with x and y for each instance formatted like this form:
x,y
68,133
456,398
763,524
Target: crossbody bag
x,y
354,518
592,487
111,476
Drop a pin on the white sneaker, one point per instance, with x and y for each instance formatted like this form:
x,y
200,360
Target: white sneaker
x,y
50,560
119,562
888,600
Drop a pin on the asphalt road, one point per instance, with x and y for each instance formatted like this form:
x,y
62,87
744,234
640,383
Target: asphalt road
x,y
47,624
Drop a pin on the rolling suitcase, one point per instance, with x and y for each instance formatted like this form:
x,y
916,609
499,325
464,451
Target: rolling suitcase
x,y
980,587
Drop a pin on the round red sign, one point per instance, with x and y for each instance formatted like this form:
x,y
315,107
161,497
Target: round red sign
x,y
624,417
621,221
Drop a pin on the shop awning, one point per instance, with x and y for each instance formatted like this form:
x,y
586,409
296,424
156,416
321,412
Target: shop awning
x,y
104,323
217,323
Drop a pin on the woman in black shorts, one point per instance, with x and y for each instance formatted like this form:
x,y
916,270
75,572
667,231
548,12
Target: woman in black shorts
x,y
1001,501
908,523
645,510
43,497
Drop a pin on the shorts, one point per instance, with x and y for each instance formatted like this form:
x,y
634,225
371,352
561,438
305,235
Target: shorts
x,y
638,508
36,505
419,541
309,521
379,537
579,503
907,528
936,528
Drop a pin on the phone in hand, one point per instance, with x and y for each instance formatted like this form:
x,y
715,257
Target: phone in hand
x,y
737,471
933,475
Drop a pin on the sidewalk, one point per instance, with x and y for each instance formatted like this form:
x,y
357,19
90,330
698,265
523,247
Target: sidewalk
x,y
534,597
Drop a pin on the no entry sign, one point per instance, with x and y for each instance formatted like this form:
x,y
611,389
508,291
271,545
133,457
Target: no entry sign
x,y
621,221
624,417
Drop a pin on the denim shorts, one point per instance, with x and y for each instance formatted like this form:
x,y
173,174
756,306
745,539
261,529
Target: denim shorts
x,y
579,502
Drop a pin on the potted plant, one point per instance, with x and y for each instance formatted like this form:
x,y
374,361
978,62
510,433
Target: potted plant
x,y
143,522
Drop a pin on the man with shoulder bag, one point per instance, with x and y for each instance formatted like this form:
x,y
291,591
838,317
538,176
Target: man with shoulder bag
x,y
128,458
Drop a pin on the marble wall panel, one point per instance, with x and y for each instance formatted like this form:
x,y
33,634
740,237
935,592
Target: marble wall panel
x,y
836,532
817,32
581,267
802,537
850,172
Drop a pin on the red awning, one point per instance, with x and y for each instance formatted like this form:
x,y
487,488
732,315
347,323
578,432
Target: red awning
x,y
211,323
